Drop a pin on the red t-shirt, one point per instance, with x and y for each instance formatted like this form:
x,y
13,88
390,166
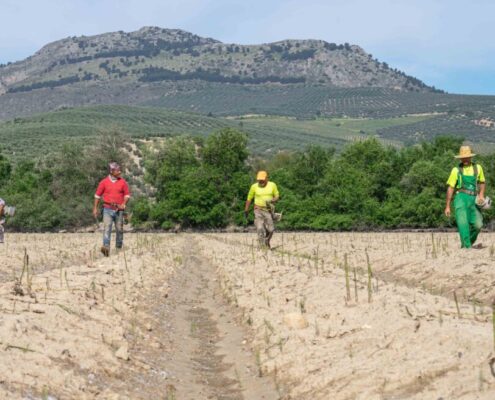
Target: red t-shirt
x,y
112,191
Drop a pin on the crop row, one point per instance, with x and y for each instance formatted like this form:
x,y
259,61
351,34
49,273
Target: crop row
x,y
428,129
307,101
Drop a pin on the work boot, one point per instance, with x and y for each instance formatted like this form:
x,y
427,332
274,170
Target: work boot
x,y
105,251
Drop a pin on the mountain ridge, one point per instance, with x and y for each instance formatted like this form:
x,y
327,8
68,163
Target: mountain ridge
x,y
153,54
180,70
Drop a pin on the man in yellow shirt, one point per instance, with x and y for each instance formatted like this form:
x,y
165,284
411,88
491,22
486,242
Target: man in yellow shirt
x,y
265,194
468,182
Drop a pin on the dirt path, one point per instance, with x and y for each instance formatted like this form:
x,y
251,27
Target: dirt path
x,y
202,352
211,359
150,323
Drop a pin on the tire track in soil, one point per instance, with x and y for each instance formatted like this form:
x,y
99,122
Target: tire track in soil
x,y
204,354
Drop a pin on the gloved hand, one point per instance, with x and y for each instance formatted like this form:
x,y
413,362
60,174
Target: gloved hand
x,y
246,214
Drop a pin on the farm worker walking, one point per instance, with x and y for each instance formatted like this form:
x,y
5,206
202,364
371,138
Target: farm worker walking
x,y
114,191
2,219
265,195
467,180
5,211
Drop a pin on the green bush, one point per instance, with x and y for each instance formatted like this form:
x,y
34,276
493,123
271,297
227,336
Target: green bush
x,y
59,193
204,184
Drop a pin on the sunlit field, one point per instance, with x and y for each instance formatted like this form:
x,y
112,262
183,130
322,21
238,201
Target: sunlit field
x,y
322,316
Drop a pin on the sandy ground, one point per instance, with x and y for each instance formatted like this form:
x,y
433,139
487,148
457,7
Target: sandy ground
x,y
70,317
209,316
407,341
431,261
145,323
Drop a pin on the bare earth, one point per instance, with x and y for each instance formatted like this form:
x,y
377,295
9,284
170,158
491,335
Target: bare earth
x,y
209,316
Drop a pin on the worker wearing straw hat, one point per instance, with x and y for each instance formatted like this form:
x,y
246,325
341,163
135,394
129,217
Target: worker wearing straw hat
x,y
467,181
265,194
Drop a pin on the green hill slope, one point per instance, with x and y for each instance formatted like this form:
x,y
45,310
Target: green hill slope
x,y
273,133
39,135
310,101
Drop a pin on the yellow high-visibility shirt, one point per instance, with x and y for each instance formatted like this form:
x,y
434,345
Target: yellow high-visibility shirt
x,y
262,194
468,171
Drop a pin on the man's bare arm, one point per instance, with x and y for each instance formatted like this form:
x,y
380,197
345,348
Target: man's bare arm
x,y
482,187
450,193
95,207
246,208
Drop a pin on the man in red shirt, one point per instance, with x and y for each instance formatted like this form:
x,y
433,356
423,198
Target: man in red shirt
x,y
114,191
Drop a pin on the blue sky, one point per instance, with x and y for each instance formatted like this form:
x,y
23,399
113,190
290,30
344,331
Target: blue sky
x,y
448,44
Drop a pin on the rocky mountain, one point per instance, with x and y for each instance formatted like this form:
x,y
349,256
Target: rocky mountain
x,y
136,67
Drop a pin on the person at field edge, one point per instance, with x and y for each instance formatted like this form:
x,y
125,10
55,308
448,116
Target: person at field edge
x,y
2,219
114,191
265,194
467,180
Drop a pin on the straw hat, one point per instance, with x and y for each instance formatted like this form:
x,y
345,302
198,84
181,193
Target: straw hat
x,y
465,152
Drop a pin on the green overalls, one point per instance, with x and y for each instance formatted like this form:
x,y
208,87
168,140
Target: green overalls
x,y
468,217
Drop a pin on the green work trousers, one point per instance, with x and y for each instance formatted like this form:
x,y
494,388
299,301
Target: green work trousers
x,y
468,217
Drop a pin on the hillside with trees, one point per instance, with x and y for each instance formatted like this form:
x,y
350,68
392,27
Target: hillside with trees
x,y
154,63
202,184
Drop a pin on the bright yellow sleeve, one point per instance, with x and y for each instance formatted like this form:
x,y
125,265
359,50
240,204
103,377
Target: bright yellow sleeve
x,y
275,191
251,192
452,181
481,174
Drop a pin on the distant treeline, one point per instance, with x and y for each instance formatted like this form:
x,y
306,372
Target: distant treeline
x,y
154,74
203,184
285,48
146,48
87,76
151,48
299,55
367,186
57,192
